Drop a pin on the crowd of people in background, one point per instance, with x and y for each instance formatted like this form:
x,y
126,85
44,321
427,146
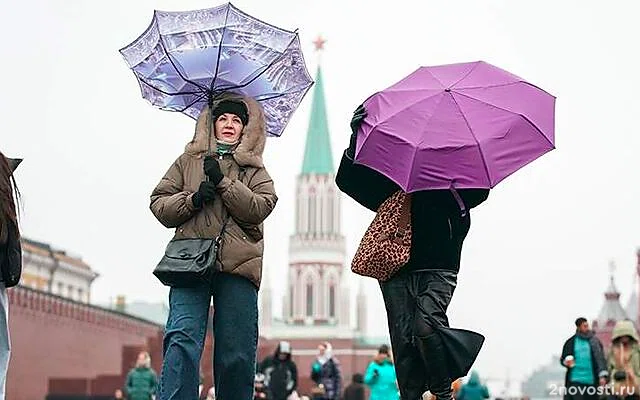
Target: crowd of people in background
x,y
592,373
277,379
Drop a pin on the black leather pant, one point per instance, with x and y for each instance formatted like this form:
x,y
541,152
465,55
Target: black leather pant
x,y
415,302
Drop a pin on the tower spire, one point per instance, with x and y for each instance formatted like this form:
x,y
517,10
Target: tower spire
x,y
318,158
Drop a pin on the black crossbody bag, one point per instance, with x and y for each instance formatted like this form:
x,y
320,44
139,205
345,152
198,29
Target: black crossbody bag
x,y
191,262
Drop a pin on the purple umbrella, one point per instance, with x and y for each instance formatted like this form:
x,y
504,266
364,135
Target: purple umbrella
x,y
461,125
185,59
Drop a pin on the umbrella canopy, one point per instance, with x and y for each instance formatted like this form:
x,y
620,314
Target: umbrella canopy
x,y
466,125
185,59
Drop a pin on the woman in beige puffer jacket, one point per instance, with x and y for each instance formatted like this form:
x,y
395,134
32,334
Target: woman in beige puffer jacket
x,y
195,196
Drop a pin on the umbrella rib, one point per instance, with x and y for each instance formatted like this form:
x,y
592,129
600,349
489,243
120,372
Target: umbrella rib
x,y
475,66
201,98
484,160
512,113
176,68
265,69
412,104
275,96
272,97
261,21
505,84
164,91
224,28
199,95
488,86
434,77
413,163
415,153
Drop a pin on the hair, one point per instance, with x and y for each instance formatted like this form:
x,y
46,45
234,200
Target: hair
x,y
384,349
147,358
9,196
580,321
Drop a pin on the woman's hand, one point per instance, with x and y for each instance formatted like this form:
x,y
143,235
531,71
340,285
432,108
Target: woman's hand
x,y
358,116
205,194
212,169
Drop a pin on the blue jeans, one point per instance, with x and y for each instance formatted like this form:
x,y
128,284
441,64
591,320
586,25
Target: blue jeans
x,y
235,338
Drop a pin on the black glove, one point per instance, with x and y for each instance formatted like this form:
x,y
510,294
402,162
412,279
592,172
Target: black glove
x,y
206,192
358,116
212,169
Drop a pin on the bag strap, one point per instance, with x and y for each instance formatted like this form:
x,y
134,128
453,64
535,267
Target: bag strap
x,y
405,218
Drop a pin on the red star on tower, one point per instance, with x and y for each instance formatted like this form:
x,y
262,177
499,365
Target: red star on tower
x,y
319,43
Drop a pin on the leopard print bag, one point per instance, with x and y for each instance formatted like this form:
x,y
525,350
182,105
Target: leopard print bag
x,y
386,244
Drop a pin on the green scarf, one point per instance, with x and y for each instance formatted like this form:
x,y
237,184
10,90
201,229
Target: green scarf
x,y
223,148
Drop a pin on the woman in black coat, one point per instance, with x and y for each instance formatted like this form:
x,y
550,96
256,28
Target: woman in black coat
x,y
10,256
417,297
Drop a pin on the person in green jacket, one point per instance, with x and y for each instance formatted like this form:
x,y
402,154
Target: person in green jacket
x,y
381,376
142,381
473,389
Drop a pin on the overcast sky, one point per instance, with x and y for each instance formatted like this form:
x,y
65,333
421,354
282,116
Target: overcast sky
x,y
538,252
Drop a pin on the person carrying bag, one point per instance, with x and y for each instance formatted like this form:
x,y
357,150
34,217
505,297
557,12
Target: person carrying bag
x,y
216,196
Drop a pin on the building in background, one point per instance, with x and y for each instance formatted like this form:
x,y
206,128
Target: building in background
x,y
633,309
610,313
54,271
317,301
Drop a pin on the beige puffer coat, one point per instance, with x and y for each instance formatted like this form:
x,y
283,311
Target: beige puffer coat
x,y
246,192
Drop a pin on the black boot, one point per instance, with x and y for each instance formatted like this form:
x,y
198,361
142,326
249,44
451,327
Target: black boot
x,y
432,352
411,394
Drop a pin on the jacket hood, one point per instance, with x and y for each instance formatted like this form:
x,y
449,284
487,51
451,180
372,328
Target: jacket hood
x,y
253,139
624,328
474,379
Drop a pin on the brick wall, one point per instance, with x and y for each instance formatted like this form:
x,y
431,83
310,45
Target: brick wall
x,y
59,339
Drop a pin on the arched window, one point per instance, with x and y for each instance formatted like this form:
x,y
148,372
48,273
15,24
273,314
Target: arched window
x,y
330,215
312,214
310,299
291,301
332,301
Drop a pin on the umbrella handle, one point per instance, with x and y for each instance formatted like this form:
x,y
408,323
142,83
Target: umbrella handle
x,y
458,199
211,128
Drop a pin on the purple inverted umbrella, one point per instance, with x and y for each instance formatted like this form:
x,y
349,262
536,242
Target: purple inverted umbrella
x,y
185,59
464,125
